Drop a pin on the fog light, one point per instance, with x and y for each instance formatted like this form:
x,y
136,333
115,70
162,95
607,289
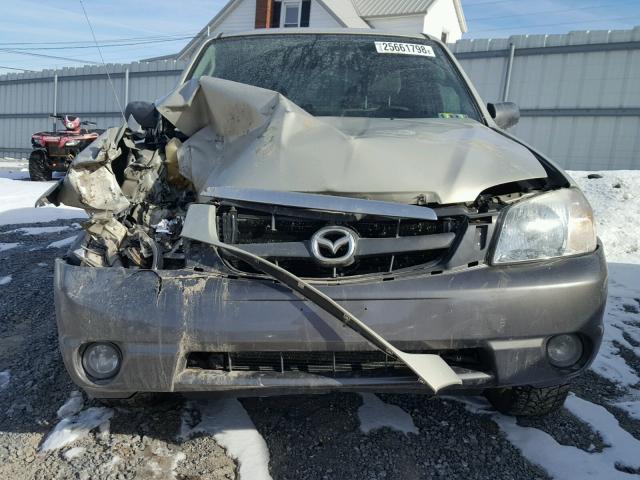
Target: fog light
x,y
564,350
101,360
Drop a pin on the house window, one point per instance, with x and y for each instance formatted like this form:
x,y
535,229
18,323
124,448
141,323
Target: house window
x,y
291,14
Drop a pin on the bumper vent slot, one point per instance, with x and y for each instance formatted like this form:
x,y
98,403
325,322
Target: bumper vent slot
x,y
336,364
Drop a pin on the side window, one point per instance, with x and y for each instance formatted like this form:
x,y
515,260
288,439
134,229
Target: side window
x,y
290,16
207,64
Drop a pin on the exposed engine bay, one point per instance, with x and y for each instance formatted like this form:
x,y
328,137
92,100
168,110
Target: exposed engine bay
x,y
247,150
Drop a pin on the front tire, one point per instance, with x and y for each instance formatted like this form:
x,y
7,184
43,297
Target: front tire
x,y
528,401
38,169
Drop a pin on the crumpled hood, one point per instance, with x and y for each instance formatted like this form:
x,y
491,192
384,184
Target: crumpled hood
x,y
244,136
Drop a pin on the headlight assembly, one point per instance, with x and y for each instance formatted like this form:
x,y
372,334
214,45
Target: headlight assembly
x,y
554,224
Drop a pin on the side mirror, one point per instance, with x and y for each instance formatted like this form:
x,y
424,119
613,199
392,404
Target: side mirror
x,y
505,114
144,113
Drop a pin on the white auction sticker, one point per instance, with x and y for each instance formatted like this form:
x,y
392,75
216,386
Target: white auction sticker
x,y
405,49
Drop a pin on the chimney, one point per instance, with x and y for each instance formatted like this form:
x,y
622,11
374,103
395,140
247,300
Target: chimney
x,y
264,9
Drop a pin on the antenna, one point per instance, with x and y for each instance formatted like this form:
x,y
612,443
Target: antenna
x,y
113,88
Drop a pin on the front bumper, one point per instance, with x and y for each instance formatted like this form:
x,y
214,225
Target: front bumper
x,y
158,318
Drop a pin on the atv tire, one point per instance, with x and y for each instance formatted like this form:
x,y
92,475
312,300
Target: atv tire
x,y
528,401
38,168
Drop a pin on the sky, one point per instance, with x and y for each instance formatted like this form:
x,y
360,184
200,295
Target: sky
x,y
131,30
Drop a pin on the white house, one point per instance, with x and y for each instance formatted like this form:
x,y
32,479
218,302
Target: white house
x,y
441,18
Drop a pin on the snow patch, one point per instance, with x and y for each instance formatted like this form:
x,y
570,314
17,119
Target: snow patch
x,y
631,404
622,322
616,206
74,452
375,414
7,246
104,431
71,428
230,425
65,242
567,462
71,406
17,200
5,378
38,230
163,463
5,280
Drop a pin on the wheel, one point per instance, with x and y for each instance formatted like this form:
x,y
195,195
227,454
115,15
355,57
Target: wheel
x,y
38,169
528,401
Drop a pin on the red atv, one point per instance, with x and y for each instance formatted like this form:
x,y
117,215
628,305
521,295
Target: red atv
x,y
54,151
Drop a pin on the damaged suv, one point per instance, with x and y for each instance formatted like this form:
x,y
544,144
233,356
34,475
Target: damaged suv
x,y
315,211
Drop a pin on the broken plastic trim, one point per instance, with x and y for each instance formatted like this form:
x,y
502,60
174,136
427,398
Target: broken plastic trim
x,y
329,203
430,368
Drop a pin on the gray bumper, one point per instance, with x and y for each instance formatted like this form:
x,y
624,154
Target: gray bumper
x,y
157,318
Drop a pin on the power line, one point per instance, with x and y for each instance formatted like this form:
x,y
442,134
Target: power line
x,y
548,12
33,54
93,34
150,42
486,3
631,20
105,41
18,69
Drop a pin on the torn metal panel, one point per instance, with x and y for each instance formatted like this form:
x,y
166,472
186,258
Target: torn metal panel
x,y
90,182
249,137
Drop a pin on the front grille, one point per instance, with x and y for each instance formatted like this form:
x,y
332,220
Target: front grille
x,y
334,364
242,226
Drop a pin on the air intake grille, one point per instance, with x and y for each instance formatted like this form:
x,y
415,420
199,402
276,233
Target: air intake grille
x,y
368,363
243,226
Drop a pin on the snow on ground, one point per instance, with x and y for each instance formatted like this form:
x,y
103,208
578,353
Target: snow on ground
x,y
17,200
230,425
5,280
7,246
374,414
162,463
38,230
568,462
65,242
615,199
71,406
14,168
71,428
74,452
5,378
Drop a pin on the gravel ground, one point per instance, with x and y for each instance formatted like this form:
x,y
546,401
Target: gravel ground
x,y
309,437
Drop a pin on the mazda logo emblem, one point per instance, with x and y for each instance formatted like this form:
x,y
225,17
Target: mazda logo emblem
x,y
333,246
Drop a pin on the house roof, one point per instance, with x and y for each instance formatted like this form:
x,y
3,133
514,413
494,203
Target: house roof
x,y
392,8
384,8
349,13
344,12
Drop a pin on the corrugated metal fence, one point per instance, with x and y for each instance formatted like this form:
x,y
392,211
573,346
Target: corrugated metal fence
x,y
27,100
579,94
